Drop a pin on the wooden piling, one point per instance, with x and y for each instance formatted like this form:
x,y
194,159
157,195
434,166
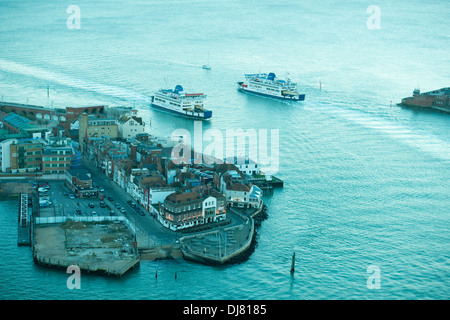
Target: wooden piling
x,y
293,263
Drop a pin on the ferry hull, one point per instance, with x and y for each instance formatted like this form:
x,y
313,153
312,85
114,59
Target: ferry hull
x,y
206,116
301,97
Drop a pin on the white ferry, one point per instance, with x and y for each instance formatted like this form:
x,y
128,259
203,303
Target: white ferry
x,y
270,86
189,105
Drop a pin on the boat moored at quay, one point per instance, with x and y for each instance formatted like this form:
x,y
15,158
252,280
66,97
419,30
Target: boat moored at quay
x,y
179,102
270,86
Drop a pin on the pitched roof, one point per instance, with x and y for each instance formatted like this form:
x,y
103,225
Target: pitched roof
x,y
178,197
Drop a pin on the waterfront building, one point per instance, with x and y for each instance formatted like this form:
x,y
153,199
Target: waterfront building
x,y
245,165
436,99
238,192
181,210
131,125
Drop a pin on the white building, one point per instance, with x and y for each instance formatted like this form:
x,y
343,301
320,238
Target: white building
x,y
209,209
130,125
158,195
245,165
5,153
237,192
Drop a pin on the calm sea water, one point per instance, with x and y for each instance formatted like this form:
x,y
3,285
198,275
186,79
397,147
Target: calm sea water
x,y
365,183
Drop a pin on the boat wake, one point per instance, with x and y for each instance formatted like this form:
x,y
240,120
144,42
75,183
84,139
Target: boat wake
x,y
72,82
424,141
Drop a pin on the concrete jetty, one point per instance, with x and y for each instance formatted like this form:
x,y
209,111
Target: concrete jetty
x,y
95,244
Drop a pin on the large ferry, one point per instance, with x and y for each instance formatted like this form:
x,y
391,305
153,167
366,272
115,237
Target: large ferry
x,y
189,105
270,86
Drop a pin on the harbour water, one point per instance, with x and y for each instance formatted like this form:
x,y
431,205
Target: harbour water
x,y
365,183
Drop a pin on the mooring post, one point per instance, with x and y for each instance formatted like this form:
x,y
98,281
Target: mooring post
x,y
293,263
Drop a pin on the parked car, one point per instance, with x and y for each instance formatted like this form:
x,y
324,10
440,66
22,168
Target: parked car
x,y
94,213
118,205
78,212
123,210
71,196
102,190
112,213
102,204
110,198
142,213
91,205
41,189
129,202
44,203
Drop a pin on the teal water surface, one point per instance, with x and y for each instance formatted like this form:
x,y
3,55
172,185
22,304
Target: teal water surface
x,y
366,183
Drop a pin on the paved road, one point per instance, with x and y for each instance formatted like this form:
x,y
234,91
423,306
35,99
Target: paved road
x,y
150,225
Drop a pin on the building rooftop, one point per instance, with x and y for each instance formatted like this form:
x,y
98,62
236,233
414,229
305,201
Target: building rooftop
x,y
81,174
183,197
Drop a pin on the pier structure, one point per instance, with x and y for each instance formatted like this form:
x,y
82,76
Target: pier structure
x,y
101,244
24,225
223,245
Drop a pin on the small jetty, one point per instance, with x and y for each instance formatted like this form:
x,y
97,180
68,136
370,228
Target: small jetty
x,y
267,184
